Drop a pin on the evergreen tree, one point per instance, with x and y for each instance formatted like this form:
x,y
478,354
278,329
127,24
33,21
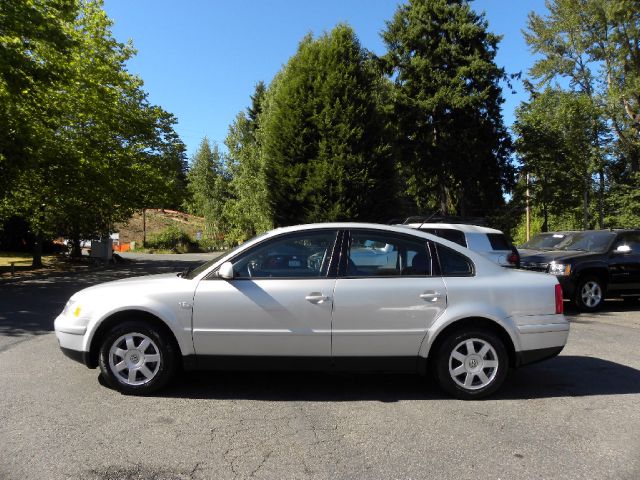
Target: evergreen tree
x,y
323,135
452,146
247,209
207,187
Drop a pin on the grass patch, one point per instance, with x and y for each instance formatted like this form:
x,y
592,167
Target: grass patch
x,y
23,259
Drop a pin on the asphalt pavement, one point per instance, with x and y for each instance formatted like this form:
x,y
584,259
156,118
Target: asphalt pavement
x,y
574,417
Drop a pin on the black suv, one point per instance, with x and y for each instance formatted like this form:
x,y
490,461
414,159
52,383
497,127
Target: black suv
x,y
591,265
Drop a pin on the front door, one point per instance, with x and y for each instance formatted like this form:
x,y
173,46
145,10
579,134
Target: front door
x,y
278,304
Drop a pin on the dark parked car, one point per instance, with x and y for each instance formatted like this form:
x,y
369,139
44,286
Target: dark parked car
x,y
592,265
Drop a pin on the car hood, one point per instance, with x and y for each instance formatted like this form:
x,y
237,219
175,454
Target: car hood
x,y
160,281
552,255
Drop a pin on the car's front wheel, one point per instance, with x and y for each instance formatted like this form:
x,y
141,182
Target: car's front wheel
x,y
471,364
589,295
135,358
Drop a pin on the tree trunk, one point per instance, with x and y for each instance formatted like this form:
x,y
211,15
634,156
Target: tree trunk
x,y
585,205
76,248
601,199
37,251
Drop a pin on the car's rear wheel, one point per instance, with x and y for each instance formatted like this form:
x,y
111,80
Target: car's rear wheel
x,y
135,358
471,364
589,295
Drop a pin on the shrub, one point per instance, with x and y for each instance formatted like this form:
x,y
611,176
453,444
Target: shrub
x,y
171,238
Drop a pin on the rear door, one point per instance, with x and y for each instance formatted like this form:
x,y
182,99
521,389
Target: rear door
x,y
385,299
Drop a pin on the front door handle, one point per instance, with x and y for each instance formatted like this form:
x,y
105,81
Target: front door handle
x,y
431,296
316,297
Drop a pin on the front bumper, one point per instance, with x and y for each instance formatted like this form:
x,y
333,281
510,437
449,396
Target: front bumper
x,y
71,340
568,286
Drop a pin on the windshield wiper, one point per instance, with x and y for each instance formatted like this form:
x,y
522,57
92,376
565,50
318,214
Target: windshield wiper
x,y
186,271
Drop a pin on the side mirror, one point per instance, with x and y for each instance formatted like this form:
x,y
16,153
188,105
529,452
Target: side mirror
x,y
622,249
226,271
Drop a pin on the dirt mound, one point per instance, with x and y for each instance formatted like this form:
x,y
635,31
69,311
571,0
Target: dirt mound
x,y
156,221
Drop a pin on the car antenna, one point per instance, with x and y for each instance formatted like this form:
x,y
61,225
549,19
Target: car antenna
x,y
427,220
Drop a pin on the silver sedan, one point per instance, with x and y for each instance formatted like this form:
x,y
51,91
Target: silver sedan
x,y
310,297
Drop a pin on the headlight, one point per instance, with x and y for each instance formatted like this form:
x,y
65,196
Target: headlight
x,y
73,309
559,268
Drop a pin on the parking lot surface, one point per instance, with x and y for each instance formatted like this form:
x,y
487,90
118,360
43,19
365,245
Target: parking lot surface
x,y
574,417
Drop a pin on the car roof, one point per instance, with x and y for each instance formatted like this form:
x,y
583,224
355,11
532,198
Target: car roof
x,y
463,227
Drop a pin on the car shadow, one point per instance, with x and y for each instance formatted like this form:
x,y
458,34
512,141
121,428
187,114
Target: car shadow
x,y
563,376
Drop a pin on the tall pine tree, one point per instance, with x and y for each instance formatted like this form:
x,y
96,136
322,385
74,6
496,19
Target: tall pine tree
x,y
323,135
452,146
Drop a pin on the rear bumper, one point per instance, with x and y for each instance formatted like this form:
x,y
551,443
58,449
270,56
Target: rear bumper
x,y
527,357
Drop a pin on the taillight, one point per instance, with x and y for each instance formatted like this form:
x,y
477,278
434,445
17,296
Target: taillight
x,y
559,302
514,257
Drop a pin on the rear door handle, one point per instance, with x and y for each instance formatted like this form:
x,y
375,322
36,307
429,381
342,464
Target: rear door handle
x,y
431,296
316,297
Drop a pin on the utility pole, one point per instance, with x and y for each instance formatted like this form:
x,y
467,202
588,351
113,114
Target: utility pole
x,y
528,210
144,226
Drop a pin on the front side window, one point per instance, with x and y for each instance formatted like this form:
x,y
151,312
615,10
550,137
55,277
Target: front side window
x,y
302,255
373,254
630,240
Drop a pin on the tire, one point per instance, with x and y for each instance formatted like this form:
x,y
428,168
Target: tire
x,y
589,294
471,364
133,370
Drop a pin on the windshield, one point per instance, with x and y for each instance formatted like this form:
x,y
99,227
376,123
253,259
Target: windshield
x,y
193,272
545,241
587,241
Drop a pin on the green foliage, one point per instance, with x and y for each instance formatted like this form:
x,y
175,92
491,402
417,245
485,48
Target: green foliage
x,y
558,145
322,135
96,150
208,188
452,146
171,238
594,45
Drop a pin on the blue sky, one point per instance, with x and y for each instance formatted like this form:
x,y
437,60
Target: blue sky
x,y
200,59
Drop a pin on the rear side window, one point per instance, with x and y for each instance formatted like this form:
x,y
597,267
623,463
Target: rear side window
x,y
453,263
499,241
376,254
455,236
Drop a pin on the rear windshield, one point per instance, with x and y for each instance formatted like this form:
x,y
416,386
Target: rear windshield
x,y
499,241
455,236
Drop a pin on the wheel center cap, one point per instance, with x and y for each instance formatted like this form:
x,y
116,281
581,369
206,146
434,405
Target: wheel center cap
x,y
134,358
473,363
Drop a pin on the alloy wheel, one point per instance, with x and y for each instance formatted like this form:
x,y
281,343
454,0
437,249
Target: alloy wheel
x,y
134,359
473,364
591,294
